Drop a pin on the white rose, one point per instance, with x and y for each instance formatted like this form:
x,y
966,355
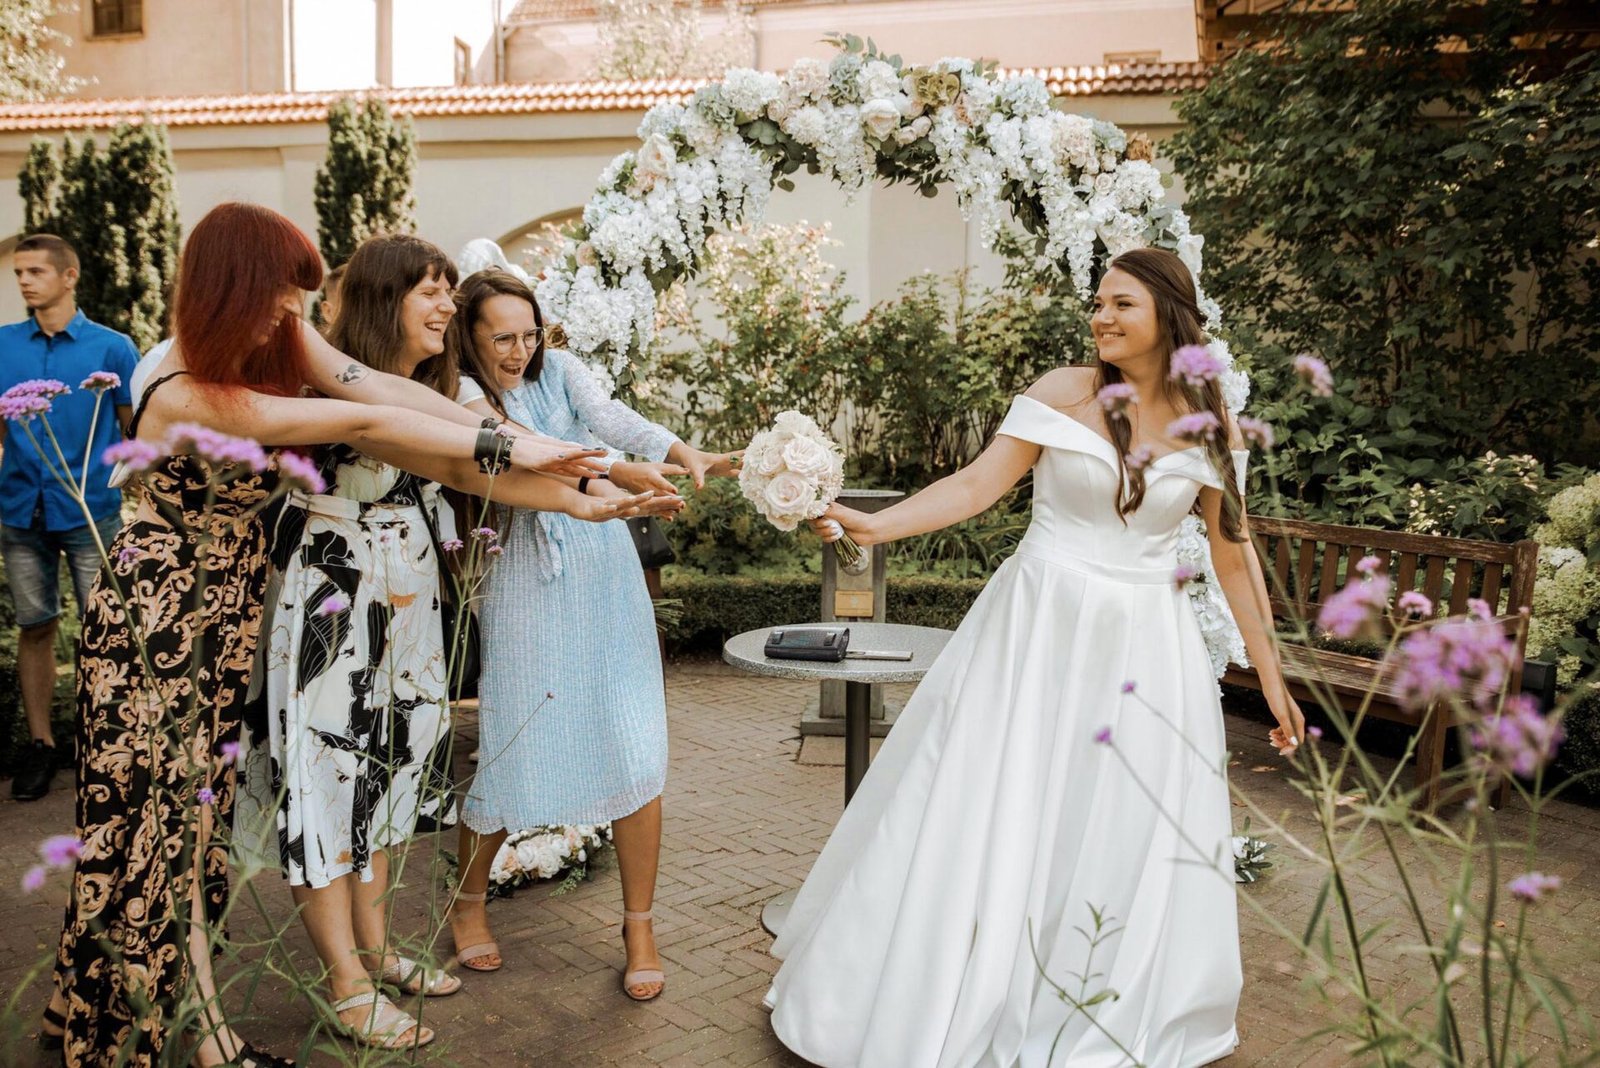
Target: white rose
x,y
878,79
921,125
880,117
586,255
905,135
799,423
787,497
910,107
655,157
1104,183
768,461
808,458
778,111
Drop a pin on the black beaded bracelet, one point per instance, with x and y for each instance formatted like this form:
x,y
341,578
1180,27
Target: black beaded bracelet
x,y
492,451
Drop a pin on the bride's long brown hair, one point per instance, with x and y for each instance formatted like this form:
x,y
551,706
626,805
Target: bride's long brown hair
x,y
1177,312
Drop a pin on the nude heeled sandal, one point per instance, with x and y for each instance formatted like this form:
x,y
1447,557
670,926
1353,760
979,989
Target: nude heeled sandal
x,y
643,975
465,955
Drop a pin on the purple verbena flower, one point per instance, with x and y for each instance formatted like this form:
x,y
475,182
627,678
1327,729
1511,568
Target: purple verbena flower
x,y
1257,432
59,850
1196,427
1138,458
1368,565
1415,603
215,447
33,878
1477,606
1103,736
494,550
1315,374
1518,739
19,406
47,388
128,554
1349,612
485,534
1469,659
333,605
205,795
1529,888
101,381
1129,686
1183,574
230,752
1195,365
452,545
300,473
1118,397
1314,732
135,454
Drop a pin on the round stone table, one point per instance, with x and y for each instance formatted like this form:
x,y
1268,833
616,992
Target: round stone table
x,y
745,652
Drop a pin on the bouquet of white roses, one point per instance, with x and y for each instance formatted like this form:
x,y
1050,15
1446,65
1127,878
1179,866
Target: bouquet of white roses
x,y
791,473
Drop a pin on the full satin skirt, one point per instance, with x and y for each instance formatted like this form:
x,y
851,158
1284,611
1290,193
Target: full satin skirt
x,y
960,887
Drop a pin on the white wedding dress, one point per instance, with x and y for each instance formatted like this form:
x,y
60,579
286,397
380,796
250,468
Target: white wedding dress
x,y
992,817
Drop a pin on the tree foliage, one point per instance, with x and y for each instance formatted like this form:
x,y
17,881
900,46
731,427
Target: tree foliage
x,y
117,206
31,64
666,39
364,186
1399,188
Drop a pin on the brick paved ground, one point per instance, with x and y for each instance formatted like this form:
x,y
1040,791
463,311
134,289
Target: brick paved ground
x,y
743,822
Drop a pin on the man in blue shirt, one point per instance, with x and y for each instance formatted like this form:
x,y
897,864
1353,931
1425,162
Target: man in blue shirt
x,y
39,519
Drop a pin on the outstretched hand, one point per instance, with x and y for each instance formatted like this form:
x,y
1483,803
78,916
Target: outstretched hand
x,y
700,466
639,477
552,456
652,503
838,521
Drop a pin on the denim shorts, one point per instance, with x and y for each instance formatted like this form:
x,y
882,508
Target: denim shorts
x,y
33,566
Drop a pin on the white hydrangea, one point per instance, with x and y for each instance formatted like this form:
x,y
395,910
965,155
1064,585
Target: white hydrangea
x,y
807,79
662,120
750,91
1023,97
878,80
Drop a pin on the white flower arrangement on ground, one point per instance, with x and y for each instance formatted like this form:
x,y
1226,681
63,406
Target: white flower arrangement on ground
x,y
1249,856
547,853
791,473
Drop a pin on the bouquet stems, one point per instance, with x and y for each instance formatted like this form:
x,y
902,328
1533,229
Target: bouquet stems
x,y
851,556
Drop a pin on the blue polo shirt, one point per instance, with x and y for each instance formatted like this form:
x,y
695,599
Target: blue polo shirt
x,y
26,485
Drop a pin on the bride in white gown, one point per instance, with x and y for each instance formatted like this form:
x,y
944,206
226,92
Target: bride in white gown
x,y
1031,778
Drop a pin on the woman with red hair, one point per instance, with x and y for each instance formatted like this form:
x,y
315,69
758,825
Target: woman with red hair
x,y
169,640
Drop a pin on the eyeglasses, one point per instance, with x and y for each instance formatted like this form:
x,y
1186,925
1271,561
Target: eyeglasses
x,y
531,340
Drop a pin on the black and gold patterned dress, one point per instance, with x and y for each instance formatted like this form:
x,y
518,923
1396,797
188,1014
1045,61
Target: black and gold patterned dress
x,y
151,765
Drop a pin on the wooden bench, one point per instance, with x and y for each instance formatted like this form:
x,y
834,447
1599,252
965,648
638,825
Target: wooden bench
x,y
1306,563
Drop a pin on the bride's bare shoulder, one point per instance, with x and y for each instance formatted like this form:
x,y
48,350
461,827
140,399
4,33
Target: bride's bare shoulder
x,y
1065,388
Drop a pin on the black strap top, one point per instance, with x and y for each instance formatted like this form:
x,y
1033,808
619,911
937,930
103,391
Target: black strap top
x,y
138,412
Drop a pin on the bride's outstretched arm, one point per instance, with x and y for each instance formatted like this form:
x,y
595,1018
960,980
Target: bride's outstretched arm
x,y
962,495
1238,572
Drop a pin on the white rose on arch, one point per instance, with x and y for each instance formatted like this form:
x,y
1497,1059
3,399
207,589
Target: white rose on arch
x,y
655,157
880,117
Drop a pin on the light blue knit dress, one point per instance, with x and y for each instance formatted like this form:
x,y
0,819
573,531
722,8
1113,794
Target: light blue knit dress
x,y
566,613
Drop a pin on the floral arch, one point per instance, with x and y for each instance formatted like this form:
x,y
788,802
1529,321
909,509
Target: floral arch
x,y
1082,187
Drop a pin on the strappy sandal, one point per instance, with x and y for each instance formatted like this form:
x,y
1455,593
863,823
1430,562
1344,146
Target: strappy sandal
x,y
250,1057
387,1024
52,1040
465,955
643,975
410,977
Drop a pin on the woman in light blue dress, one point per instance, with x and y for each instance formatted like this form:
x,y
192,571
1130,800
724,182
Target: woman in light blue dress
x,y
573,718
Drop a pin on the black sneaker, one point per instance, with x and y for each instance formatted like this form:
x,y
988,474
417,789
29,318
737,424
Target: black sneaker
x,y
33,777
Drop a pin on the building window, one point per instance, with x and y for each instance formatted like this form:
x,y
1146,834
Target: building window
x,y
463,62
115,17
1131,59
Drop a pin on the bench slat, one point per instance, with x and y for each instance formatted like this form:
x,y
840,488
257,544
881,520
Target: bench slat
x,y
1330,572
1407,578
1422,544
1460,587
1491,586
1308,557
1433,579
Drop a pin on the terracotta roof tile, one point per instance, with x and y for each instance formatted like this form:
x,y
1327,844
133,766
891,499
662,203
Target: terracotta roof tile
x,y
512,99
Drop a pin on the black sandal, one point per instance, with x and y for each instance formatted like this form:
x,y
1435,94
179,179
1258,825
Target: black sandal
x,y
47,1039
250,1057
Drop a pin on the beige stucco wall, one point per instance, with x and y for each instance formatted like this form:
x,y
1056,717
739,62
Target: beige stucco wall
x,y
1017,33
492,176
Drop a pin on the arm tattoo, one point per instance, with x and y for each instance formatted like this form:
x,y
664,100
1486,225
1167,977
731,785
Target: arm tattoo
x,y
354,373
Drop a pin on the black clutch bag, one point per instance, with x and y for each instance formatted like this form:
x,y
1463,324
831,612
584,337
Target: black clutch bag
x,y
828,644
651,542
